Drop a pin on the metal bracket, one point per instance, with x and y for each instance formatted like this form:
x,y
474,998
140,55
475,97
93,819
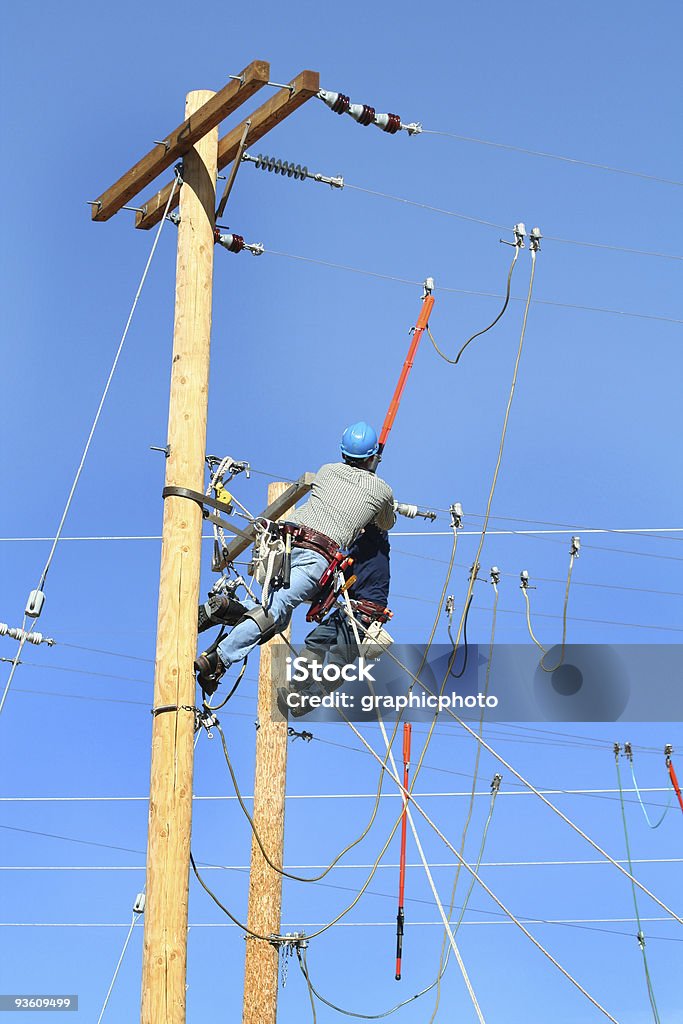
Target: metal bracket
x,y
202,500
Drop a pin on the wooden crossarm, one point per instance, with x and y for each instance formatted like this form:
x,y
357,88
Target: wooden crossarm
x,y
276,510
181,139
280,106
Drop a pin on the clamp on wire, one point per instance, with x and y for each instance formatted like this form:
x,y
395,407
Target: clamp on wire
x,y
456,514
494,574
519,232
524,580
535,237
203,717
575,548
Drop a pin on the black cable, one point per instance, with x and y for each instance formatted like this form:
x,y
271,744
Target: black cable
x,y
461,673
221,906
454,362
237,682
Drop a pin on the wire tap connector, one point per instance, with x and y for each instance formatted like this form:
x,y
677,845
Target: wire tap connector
x,y
525,580
28,638
535,237
456,515
494,573
519,232
291,170
236,243
363,114
575,548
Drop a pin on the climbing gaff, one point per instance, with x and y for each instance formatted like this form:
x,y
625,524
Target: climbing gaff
x,y
400,918
420,327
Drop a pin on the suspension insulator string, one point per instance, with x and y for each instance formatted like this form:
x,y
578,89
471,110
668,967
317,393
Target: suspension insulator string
x,y
365,115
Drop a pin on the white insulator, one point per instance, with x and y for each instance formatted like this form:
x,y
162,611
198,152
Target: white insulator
x,y
34,605
409,511
328,98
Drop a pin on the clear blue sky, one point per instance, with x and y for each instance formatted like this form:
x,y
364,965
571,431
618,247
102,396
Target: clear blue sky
x,y
298,351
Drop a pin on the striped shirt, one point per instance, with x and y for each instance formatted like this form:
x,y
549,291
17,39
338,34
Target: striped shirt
x,y
343,501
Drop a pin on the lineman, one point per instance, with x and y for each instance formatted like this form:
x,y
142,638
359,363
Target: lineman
x,y
333,641
345,498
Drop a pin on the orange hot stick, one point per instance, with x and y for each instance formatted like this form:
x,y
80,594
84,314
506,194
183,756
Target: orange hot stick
x,y
420,327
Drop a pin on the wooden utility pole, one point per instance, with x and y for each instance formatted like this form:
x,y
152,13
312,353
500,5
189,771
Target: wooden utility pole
x,y
265,884
170,798
170,802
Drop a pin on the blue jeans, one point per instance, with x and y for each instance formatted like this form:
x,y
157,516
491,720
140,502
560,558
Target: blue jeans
x,y
307,568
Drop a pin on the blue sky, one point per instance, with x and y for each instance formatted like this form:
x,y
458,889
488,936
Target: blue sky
x,y
299,350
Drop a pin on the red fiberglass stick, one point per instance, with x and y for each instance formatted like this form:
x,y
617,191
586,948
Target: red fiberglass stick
x,y
674,780
422,321
407,728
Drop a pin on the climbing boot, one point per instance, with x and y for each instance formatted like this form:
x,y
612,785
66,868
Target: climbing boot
x,y
219,610
209,669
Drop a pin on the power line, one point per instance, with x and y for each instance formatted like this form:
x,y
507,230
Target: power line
x,y
506,227
329,796
86,449
464,291
552,156
344,867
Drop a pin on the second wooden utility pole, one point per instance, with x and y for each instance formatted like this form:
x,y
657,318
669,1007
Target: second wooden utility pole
x,y
265,884
170,798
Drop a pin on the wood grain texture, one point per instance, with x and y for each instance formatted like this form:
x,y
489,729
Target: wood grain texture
x,y
181,139
170,802
265,884
280,106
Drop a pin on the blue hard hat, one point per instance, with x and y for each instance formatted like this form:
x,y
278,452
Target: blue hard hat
x,y
359,441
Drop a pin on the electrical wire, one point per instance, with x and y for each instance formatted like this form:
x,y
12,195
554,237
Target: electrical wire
x,y
461,673
525,782
525,590
640,800
504,227
430,987
463,291
454,362
478,878
443,958
96,420
552,156
485,523
136,918
640,936
257,837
